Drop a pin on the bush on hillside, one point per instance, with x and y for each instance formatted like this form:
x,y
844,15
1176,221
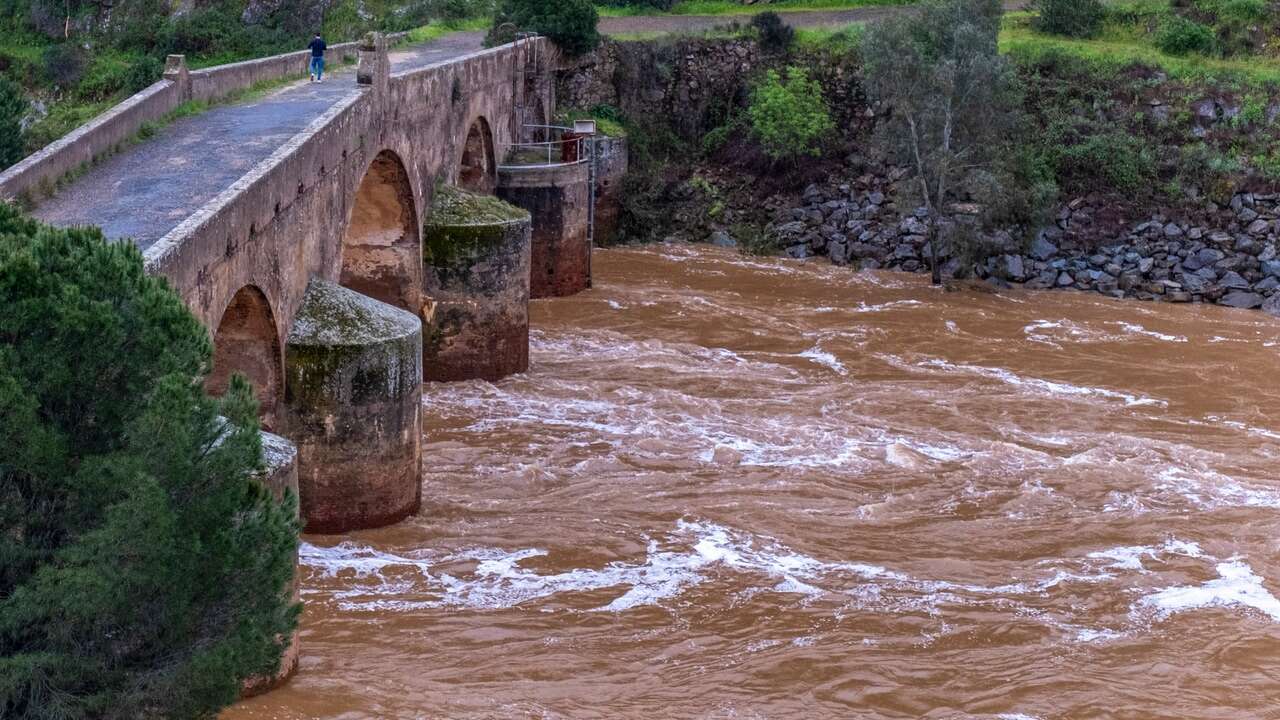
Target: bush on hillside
x,y
144,570
1072,18
775,35
789,117
64,64
1113,159
13,106
1179,36
571,24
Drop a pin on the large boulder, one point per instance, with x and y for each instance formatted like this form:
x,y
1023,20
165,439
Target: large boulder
x,y
1242,299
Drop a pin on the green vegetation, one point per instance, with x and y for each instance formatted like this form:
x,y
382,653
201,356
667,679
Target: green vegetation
x,y
774,34
438,29
571,24
144,570
789,117
733,7
956,101
455,206
12,107
608,119
838,39
1113,53
1072,18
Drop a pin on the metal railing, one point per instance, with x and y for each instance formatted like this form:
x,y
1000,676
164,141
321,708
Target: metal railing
x,y
554,150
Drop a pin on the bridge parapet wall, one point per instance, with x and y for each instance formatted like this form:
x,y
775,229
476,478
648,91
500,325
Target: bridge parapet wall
x,y
40,171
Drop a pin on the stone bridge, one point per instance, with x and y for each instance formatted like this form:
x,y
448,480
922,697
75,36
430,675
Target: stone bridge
x,y
293,227
326,232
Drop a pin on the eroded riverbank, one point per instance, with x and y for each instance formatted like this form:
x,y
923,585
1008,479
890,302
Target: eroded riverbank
x,y
740,487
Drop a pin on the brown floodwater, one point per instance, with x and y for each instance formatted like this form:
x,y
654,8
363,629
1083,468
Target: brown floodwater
x,y
740,487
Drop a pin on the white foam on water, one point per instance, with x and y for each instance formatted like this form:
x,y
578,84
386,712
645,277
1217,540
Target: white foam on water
x,y
1036,385
881,307
686,558
1237,585
1130,557
1236,424
616,305
821,357
1135,329
1210,490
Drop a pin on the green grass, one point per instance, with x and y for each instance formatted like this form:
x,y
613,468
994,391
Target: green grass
x,y
731,7
437,30
719,33
1118,48
840,38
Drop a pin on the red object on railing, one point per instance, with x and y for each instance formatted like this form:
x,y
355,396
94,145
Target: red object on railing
x,y
569,147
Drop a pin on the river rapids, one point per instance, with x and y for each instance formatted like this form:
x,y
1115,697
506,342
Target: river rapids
x,y
735,487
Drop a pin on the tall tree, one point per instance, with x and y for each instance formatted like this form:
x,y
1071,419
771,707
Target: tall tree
x,y
144,571
953,101
13,106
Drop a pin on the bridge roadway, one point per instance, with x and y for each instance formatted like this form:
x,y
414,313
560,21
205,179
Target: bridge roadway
x,y
149,189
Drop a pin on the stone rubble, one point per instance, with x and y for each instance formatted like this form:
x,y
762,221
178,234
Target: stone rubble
x,y
1222,254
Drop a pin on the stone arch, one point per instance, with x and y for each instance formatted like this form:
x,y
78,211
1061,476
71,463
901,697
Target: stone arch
x,y
381,246
247,342
477,171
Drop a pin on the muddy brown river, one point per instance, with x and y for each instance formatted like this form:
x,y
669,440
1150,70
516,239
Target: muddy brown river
x,y
733,487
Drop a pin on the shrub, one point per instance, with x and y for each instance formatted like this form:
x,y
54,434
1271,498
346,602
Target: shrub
x,y
1113,159
789,118
146,572
111,75
775,35
571,24
142,72
1179,35
1073,18
13,106
64,64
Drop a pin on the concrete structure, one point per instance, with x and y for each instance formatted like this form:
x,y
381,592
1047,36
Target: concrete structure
x,y
557,197
476,275
611,168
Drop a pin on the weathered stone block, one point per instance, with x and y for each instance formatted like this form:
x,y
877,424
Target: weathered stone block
x,y
353,370
475,257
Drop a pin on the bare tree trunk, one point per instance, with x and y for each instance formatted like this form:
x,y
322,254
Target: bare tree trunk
x,y
933,251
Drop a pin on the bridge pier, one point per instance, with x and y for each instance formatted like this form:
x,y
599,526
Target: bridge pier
x,y
475,255
280,476
353,370
557,198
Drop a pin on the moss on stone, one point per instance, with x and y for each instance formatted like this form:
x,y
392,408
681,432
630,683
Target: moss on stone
x,y
454,206
465,228
333,316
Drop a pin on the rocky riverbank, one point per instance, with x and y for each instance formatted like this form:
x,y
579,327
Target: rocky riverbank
x,y
1224,254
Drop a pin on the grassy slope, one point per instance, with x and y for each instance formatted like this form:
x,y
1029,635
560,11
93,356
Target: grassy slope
x,y
1117,48
731,7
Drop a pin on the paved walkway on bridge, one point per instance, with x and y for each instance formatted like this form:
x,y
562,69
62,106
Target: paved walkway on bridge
x,y
147,190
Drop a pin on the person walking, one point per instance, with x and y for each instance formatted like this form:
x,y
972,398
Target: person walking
x,y
317,47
